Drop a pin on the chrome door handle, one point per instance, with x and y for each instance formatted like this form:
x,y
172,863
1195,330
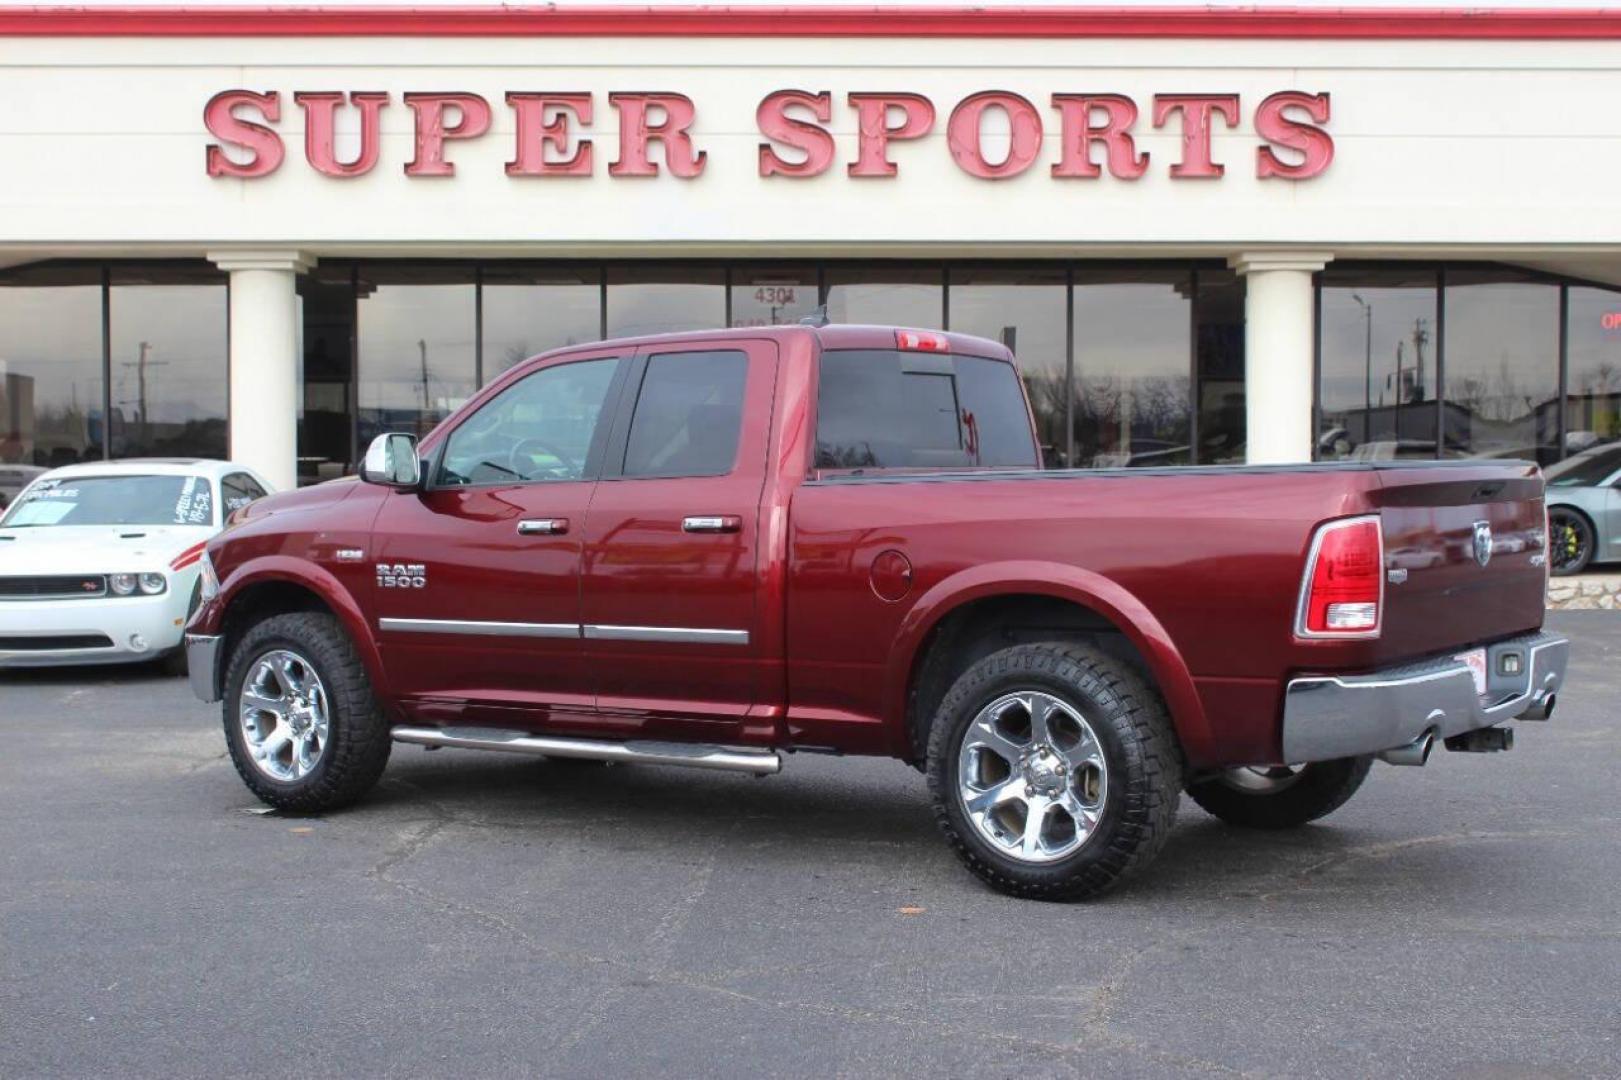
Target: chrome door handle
x,y
543,527
729,523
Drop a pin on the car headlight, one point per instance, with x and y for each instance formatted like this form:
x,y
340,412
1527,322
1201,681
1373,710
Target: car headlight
x,y
153,584
209,579
122,584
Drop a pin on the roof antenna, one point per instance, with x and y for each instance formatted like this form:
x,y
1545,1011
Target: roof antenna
x,y
816,318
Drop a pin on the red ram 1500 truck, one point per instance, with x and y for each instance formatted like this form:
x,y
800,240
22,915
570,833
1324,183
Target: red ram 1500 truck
x,y
709,549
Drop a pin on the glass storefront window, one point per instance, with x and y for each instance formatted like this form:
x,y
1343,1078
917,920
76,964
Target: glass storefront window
x,y
1593,381
772,296
1024,310
1500,374
887,295
1376,385
169,359
1218,332
1133,402
655,300
416,345
326,298
528,311
50,369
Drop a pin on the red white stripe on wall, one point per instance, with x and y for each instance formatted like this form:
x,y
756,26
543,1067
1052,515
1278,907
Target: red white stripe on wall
x,y
807,20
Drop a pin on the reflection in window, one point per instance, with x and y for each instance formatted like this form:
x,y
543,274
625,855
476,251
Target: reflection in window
x,y
326,298
1593,353
688,415
539,428
50,369
661,301
1376,387
887,296
1501,366
1024,310
528,311
416,338
1132,397
1218,330
772,296
882,409
169,361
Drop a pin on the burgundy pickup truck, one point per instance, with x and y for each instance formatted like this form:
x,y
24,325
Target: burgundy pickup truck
x,y
711,549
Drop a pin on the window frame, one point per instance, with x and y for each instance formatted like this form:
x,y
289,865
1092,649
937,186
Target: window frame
x,y
590,468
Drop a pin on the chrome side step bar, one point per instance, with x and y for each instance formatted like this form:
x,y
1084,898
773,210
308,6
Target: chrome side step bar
x,y
692,755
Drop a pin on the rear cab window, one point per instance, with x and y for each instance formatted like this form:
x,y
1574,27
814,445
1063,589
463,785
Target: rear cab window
x,y
890,409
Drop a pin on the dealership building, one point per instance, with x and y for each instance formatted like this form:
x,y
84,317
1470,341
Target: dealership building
x,y
1209,234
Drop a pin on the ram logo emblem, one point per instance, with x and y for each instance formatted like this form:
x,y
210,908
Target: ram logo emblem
x,y
402,575
1483,542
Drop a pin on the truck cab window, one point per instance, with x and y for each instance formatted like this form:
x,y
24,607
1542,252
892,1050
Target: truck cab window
x,y
539,428
885,409
688,415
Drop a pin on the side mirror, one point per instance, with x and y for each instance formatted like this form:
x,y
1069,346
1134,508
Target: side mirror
x,y
391,460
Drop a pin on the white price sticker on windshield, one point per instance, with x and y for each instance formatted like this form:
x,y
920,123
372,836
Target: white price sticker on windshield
x,y
1475,660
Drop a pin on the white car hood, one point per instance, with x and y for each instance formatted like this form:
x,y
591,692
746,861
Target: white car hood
x,y
95,549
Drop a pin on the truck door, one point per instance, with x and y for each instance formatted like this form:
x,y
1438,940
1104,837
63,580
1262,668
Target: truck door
x,y
478,575
671,578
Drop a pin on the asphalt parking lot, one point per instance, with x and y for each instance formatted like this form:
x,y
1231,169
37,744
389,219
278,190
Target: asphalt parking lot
x,y
493,915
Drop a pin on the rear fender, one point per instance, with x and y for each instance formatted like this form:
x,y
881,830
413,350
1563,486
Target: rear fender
x,y
1081,587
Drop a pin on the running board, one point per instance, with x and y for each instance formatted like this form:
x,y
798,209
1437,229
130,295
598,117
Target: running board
x,y
692,755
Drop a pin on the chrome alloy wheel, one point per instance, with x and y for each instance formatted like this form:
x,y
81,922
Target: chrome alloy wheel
x,y
1031,776
285,715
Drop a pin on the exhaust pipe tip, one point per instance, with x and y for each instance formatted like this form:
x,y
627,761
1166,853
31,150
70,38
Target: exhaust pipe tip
x,y
1416,752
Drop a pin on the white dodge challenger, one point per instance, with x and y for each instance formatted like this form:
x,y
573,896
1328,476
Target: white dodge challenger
x,y
99,562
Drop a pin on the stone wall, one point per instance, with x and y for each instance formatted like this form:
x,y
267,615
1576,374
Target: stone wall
x,y
1585,592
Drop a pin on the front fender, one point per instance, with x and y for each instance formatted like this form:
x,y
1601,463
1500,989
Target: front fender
x,y
1083,587
312,577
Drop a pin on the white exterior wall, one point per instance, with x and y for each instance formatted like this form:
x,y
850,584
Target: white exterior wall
x,y
1469,149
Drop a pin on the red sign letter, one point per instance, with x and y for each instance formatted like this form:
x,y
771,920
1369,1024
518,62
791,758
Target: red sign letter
x,y
775,124
320,111
1196,110
472,120
1079,133
1315,145
637,132
223,124
963,134
875,130
536,134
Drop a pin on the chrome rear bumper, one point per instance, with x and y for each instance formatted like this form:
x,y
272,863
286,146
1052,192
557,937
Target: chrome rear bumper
x,y
1336,716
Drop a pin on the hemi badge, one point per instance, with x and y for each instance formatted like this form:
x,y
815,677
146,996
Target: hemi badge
x,y
350,555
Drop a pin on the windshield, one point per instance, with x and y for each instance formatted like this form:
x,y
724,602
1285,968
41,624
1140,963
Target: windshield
x,y
114,500
1585,469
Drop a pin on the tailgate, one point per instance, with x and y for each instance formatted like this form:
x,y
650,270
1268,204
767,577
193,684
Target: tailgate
x,y
1471,542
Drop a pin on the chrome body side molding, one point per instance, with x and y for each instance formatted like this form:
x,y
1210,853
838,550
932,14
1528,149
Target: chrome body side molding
x,y
689,635
485,629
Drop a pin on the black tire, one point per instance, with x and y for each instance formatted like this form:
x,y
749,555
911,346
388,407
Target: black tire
x,y
1570,537
1285,800
358,743
1134,734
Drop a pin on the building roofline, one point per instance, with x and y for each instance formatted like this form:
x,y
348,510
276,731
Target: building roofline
x,y
803,20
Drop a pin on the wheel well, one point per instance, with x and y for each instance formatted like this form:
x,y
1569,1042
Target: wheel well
x,y
978,628
260,601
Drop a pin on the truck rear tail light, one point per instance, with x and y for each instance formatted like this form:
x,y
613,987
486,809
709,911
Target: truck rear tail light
x,y
1343,592
921,341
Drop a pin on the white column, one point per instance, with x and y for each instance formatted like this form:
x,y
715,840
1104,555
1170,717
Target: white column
x,y
264,359
1278,348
